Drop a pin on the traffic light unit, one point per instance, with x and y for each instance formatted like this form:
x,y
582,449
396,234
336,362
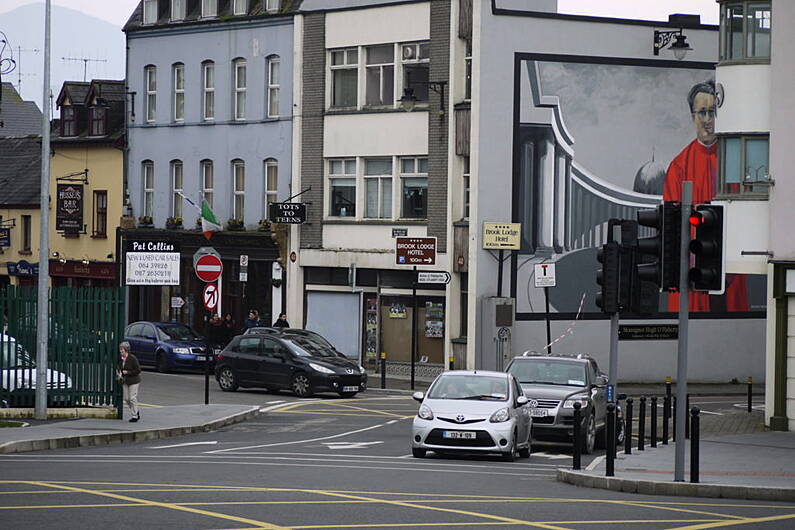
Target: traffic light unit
x,y
663,248
608,277
708,272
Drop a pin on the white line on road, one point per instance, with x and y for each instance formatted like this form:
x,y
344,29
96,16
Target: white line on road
x,y
544,454
182,445
278,404
712,413
596,461
297,441
275,402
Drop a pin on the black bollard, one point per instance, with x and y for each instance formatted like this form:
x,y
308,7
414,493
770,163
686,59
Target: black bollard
x,y
654,421
628,429
666,418
694,435
611,439
687,423
642,424
750,383
577,447
383,369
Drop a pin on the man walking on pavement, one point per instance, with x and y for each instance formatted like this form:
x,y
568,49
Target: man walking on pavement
x,y
129,373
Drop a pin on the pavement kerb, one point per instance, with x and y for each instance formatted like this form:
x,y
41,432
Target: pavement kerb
x,y
24,446
676,489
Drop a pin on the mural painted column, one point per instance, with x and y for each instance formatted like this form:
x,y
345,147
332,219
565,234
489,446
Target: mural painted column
x,y
546,209
561,210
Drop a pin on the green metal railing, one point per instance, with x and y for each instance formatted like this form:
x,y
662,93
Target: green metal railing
x,y
85,328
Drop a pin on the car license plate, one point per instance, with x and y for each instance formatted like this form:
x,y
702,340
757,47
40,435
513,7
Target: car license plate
x,y
350,389
459,435
538,413
201,358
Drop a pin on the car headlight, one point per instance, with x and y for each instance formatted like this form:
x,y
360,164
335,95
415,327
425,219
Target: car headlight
x,y
500,416
569,403
181,350
361,369
321,369
425,412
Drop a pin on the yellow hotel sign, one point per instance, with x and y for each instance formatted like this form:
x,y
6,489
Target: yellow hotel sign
x,y
501,236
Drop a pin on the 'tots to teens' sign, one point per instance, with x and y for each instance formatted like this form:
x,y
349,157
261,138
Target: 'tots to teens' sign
x,y
151,262
287,212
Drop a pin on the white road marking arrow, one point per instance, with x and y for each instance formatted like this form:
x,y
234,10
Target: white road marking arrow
x,y
350,445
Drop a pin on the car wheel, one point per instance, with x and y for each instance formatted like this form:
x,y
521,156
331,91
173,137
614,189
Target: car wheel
x,y
417,452
301,385
227,379
162,363
589,439
510,455
347,394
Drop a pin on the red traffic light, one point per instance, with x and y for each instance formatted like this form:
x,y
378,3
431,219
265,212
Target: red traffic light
x,y
702,217
696,219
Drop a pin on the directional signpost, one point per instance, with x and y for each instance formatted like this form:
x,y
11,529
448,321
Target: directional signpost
x,y
415,251
433,277
545,277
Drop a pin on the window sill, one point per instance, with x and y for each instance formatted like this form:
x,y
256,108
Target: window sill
x,y
338,111
377,222
742,197
25,253
747,60
99,236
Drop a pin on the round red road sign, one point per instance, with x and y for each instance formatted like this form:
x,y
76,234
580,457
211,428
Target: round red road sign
x,y
209,268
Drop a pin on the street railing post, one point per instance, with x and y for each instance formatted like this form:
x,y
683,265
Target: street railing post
x,y
694,439
642,424
382,359
611,439
577,448
687,423
628,429
666,418
750,390
673,409
654,421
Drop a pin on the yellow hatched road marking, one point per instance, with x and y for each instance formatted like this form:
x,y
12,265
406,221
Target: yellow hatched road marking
x,y
145,502
509,520
699,512
723,524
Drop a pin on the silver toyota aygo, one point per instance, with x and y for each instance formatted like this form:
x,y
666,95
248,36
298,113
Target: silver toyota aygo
x,y
473,412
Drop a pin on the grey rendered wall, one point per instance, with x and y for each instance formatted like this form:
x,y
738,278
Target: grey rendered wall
x,y
221,141
313,107
722,349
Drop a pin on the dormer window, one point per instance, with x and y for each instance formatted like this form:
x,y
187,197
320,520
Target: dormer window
x,y
150,11
68,123
209,8
272,6
98,121
177,10
240,7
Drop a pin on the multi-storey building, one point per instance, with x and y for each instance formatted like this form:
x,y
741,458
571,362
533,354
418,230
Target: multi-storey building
x,y
86,184
210,104
755,128
371,170
20,178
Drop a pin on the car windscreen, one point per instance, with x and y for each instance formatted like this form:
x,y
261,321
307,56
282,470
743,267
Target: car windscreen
x,y
475,387
548,372
13,355
306,347
177,333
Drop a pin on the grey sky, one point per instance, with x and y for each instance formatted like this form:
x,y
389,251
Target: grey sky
x,y
117,11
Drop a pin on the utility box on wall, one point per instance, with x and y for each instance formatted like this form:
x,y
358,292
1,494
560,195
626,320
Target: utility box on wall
x,y
496,333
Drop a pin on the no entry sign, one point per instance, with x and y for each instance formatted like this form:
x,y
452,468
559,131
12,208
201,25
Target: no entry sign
x,y
210,296
209,268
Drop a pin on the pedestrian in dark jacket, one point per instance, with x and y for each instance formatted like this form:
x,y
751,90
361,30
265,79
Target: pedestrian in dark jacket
x,y
253,320
216,332
129,373
281,322
230,328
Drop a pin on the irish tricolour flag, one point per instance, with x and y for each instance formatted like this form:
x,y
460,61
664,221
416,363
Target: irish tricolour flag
x,y
209,222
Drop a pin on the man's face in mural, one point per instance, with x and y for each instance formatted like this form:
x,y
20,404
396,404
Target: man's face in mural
x,y
704,117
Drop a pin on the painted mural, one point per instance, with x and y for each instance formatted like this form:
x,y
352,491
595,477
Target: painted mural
x,y
597,141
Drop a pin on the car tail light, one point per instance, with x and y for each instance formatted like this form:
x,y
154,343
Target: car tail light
x,y
219,357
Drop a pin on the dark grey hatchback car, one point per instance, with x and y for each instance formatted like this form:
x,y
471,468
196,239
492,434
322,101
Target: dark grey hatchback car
x,y
287,361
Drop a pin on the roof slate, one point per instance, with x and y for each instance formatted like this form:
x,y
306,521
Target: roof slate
x,y
20,170
19,118
256,9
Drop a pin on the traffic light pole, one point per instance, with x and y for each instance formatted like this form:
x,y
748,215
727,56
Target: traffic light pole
x,y
613,369
684,309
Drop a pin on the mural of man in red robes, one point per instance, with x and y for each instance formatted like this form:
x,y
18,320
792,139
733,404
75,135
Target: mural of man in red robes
x,y
698,162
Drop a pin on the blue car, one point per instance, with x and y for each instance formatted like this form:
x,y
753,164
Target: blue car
x,y
167,345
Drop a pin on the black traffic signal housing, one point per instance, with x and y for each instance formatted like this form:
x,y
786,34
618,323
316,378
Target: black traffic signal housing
x,y
608,277
708,272
660,253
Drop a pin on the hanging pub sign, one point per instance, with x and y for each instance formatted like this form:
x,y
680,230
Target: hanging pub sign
x,y
5,237
69,212
287,212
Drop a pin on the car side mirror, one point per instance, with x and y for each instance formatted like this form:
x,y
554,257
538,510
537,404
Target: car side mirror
x,y
418,396
521,400
601,380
